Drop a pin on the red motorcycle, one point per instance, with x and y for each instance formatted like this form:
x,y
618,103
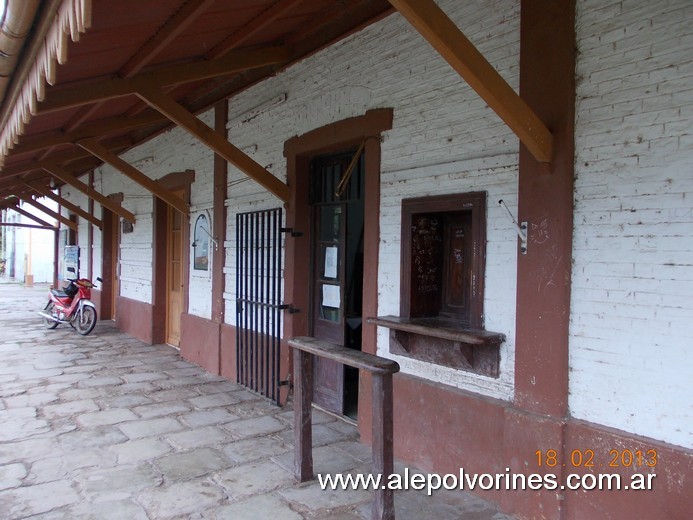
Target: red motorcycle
x,y
72,305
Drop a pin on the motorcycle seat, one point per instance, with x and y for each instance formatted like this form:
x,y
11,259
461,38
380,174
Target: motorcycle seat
x,y
58,294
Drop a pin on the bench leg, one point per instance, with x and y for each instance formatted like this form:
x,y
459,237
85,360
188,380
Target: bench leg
x,y
383,457
303,430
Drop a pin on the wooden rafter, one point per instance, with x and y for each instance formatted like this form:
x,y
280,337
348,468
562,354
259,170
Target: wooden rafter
x,y
185,16
93,147
70,179
45,192
442,33
171,29
265,18
177,113
30,216
92,92
116,144
97,128
32,226
53,214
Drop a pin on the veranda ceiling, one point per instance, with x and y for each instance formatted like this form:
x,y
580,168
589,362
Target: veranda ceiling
x,y
141,67
192,52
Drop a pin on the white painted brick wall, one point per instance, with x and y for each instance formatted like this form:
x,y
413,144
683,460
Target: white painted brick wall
x,y
174,151
444,139
632,304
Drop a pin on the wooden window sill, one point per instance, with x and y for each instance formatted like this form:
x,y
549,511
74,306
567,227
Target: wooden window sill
x,y
444,342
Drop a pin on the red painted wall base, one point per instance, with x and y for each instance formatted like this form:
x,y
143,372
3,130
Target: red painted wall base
x,y
136,318
200,342
442,429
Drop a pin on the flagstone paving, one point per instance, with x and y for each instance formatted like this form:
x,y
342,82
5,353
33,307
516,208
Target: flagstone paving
x,y
107,427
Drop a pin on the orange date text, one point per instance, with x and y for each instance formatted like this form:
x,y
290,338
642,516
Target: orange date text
x,y
589,458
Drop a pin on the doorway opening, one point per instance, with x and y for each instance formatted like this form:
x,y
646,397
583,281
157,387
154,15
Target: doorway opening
x,y
110,267
174,272
337,245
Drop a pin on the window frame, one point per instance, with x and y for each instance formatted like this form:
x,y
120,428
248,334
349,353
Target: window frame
x,y
447,208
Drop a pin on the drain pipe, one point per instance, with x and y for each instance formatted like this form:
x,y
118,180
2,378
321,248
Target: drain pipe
x,y
16,26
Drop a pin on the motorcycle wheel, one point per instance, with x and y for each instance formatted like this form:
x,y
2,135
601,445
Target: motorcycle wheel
x,y
50,324
85,321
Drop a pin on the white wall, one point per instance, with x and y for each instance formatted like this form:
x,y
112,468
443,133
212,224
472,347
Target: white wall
x,y
444,139
174,151
632,310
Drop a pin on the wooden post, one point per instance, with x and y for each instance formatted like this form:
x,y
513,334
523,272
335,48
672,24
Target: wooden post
x,y
56,258
383,453
303,427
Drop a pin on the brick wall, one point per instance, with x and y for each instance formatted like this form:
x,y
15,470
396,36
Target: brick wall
x,y
631,327
444,140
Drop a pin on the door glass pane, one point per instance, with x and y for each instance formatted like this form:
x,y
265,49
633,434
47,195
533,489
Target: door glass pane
x,y
330,223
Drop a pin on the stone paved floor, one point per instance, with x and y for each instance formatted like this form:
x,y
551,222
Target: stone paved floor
x,y
107,427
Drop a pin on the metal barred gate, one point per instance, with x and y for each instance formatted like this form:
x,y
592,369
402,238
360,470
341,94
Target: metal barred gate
x,y
259,303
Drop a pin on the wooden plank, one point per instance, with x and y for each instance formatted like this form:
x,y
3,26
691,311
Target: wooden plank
x,y
70,179
93,91
57,216
66,204
156,98
32,217
93,147
442,33
346,356
439,328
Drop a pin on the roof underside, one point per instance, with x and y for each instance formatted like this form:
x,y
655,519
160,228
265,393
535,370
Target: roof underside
x,y
198,51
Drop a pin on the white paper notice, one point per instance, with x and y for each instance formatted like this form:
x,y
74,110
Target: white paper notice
x,y
331,255
331,296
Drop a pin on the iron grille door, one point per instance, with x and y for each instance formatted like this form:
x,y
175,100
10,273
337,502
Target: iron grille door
x,y
259,300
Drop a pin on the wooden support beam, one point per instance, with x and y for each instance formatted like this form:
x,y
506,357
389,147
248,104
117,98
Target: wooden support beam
x,y
32,217
32,226
93,147
156,98
442,33
70,179
45,192
57,216
93,91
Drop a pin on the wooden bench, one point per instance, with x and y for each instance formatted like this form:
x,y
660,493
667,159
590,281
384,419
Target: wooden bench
x,y
381,371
